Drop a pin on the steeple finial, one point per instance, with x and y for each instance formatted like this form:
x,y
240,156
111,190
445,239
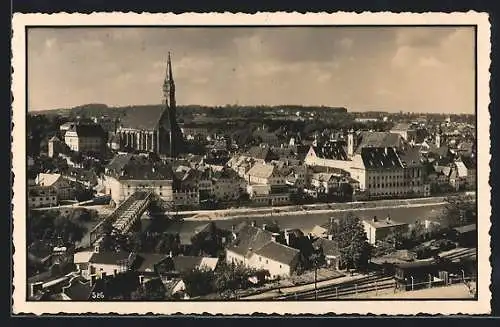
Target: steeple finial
x,y
169,85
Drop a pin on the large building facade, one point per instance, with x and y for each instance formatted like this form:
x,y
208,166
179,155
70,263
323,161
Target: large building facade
x,y
153,128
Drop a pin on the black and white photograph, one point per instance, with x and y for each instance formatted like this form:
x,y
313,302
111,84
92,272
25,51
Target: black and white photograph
x,y
287,165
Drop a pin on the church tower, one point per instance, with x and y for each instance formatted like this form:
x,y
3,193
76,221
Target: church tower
x,y
169,134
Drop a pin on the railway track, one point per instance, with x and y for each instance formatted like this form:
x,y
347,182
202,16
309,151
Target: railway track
x,y
362,285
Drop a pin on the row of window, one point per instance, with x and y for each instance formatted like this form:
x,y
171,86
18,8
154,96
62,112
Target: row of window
x,y
41,198
397,184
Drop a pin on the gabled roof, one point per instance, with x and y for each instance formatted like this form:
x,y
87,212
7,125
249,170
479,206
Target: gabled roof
x,y
135,167
142,117
112,258
250,237
146,262
278,252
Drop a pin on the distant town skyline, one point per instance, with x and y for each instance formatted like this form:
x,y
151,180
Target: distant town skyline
x,y
393,69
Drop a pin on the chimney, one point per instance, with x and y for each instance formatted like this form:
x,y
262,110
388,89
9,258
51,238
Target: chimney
x,y
330,237
115,272
388,219
103,275
375,219
274,236
264,226
233,228
170,254
386,151
35,288
254,223
141,279
93,279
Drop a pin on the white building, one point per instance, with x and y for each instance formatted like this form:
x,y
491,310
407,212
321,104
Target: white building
x,y
85,138
377,230
58,182
260,249
127,174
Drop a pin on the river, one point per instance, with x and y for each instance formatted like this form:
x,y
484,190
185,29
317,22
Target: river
x,y
306,222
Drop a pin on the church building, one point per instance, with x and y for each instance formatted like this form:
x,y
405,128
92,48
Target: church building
x,y
153,128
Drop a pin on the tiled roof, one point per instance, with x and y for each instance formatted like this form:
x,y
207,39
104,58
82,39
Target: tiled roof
x,y
109,257
411,157
335,150
250,237
379,140
127,166
142,117
278,252
380,158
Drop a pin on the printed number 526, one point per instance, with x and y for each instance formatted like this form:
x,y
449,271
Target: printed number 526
x,y
97,295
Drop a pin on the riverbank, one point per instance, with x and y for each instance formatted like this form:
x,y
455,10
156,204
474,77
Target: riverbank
x,y
308,210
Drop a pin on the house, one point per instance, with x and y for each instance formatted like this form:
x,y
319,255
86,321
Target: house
x,y
58,182
108,263
128,173
377,230
330,250
85,138
265,174
466,236
42,196
260,249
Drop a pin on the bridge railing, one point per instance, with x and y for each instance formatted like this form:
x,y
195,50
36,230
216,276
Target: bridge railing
x,y
144,196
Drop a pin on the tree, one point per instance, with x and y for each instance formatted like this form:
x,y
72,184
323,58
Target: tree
x,y
354,249
198,282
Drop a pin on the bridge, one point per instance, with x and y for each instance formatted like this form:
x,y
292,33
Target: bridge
x,y
125,215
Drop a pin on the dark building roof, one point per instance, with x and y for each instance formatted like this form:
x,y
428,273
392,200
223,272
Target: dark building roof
x,y
278,252
377,158
250,237
335,150
88,130
142,117
186,263
127,166
109,257
146,262
411,157
379,140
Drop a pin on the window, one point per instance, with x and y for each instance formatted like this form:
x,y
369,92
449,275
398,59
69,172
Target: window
x,y
267,261
280,266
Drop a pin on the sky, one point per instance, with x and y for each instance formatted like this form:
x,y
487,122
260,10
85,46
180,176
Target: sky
x,y
410,69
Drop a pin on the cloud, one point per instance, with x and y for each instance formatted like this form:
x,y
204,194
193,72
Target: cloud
x,y
413,69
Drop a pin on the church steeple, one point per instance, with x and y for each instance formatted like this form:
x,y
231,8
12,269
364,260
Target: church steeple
x,y
169,87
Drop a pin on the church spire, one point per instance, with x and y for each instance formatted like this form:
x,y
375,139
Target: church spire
x,y
169,86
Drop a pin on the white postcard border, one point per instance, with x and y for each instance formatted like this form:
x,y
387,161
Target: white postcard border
x,y
407,307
